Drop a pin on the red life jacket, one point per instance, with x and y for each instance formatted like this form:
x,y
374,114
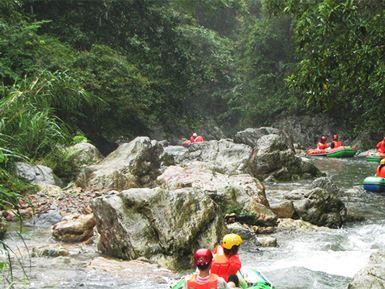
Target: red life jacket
x,y
224,266
381,147
212,283
380,171
322,146
337,143
199,138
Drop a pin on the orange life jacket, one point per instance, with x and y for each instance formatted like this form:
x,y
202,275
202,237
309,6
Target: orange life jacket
x,y
212,283
322,146
380,171
337,143
224,266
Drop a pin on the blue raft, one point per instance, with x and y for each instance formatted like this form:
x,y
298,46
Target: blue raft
x,y
374,184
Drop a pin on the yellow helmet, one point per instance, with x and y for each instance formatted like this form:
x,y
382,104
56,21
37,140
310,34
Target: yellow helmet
x,y
231,240
382,162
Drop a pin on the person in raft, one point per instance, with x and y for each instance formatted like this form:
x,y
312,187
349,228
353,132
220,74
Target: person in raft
x,y
381,146
323,145
380,172
204,279
196,138
226,263
336,143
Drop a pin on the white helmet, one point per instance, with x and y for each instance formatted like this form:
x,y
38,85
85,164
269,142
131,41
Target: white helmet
x,y
195,134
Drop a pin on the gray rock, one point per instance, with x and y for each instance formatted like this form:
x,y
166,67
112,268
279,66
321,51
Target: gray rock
x,y
318,207
274,156
241,230
326,184
238,191
222,156
134,164
162,225
36,174
284,209
53,250
250,136
48,218
85,154
372,276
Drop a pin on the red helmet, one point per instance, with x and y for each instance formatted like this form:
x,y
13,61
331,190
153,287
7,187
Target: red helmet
x,y
335,137
202,257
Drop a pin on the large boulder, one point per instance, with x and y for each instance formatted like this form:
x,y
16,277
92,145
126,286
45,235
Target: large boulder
x,y
274,155
85,154
250,136
319,207
162,225
36,174
372,276
242,194
131,165
235,189
222,156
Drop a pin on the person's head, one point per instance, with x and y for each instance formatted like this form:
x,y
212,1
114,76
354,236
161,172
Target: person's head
x,y
382,162
335,137
203,259
231,243
323,139
195,134
383,138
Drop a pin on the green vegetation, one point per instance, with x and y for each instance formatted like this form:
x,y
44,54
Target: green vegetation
x,y
73,71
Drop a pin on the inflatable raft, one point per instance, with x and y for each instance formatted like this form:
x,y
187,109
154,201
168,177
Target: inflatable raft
x,y
375,157
374,184
248,278
340,152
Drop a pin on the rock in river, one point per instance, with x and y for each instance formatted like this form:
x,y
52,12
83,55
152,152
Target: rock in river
x,y
373,276
159,224
134,164
318,207
74,228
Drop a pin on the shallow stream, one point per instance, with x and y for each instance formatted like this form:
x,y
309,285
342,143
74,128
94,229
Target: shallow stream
x,y
321,259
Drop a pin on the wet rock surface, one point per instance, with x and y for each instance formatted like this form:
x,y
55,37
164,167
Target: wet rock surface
x,y
318,207
372,276
53,250
162,225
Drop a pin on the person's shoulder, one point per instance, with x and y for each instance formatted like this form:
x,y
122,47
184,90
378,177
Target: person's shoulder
x,y
235,258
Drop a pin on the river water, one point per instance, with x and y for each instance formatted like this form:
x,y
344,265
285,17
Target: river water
x,y
317,259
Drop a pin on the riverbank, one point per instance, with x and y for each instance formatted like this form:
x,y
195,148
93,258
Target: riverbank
x,y
306,255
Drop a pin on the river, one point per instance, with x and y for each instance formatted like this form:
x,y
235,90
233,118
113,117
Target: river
x,y
320,259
